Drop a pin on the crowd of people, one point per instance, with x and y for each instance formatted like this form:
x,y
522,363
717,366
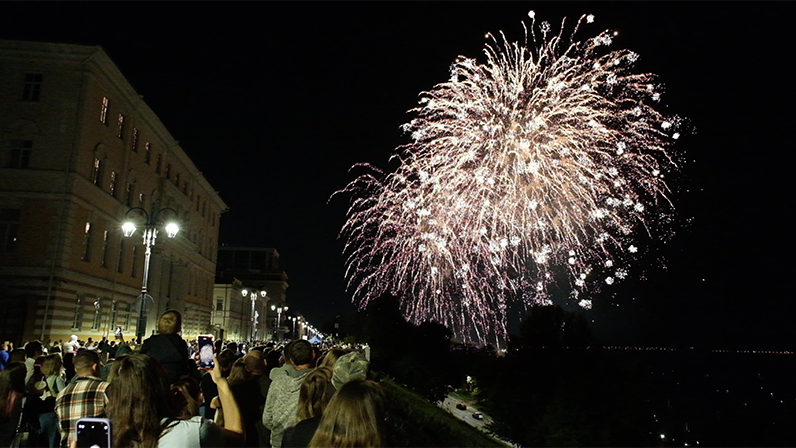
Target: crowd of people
x,y
292,394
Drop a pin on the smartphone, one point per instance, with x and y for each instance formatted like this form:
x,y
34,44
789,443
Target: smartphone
x,y
93,433
205,351
118,331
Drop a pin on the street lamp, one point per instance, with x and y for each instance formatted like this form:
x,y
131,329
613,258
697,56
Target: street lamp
x,y
255,314
278,315
294,318
150,233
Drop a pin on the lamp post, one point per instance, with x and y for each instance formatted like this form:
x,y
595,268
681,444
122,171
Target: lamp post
x,y
150,233
294,318
278,316
255,314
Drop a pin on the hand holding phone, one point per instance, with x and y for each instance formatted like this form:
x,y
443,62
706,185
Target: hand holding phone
x,y
206,354
93,433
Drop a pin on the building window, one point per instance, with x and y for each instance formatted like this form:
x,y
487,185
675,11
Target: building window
x,y
120,260
185,188
32,87
19,156
219,305
134,143
87,243
95,323
177,180
104,110
141,198
104,249
96,173
148,153
77,318
128,194
120,127
9,223
159,164
168,171
135,260
113,184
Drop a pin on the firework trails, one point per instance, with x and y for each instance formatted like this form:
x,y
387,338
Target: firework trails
x,y
547,158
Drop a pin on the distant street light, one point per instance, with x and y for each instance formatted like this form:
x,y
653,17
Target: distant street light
x,y
255,315
278,315
150,233
294,318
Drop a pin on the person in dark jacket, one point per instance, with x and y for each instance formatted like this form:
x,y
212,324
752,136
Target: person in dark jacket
x,y
169,348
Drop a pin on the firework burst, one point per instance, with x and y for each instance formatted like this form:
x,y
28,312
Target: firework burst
x,y
548,155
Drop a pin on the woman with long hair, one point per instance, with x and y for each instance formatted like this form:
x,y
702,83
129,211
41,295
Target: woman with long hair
x,y
12,390
144,414
312,402
353,418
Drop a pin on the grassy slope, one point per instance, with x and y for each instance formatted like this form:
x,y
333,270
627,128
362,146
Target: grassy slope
x,y
414,422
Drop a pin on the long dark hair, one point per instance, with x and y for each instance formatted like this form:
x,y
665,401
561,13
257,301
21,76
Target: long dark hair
x,y
12,379
138,398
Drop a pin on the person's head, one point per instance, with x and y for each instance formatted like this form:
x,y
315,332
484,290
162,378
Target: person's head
x,y
349,367
312,396
86,363
34,349
138,398
17,355
4,346
255,362
11,380
354,417
232,346
170,322
225,359
331,357
238,372
52,365
37,375
301,354
123,349
272,358
189,395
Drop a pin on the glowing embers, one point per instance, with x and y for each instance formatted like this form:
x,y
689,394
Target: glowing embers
x,y
547,155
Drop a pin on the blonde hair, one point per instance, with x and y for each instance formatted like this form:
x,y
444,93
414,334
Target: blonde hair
x,y
312,397
331,357
170,322
353,418
52,365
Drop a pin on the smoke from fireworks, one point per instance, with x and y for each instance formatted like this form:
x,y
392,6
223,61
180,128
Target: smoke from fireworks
x,y
549,155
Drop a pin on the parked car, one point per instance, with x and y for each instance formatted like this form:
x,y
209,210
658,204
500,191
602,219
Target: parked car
x,y
478,416
461,406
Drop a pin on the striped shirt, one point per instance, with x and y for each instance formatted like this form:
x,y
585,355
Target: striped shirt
x,y
83,397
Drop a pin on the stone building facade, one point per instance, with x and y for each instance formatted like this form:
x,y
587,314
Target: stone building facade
x,y
236,316
79,148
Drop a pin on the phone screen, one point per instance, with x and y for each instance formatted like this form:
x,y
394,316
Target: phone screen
x,y
205,352
93,433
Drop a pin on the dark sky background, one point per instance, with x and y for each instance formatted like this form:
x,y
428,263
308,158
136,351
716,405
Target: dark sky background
x,y
274,102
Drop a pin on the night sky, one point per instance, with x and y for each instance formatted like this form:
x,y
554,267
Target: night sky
x,y
274,102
